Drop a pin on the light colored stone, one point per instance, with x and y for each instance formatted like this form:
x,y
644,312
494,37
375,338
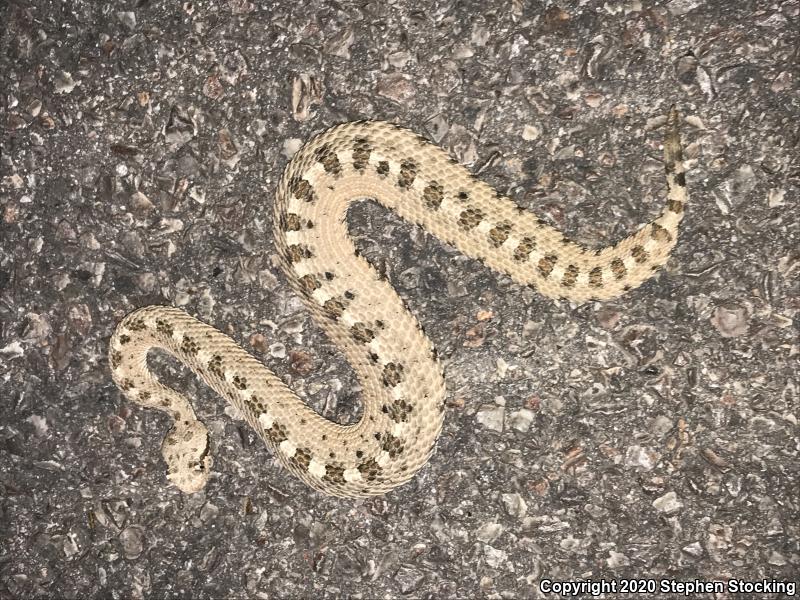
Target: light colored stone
x,y
668,503
491,416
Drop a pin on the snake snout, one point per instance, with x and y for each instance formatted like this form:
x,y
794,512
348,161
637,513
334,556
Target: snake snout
x,y
186,451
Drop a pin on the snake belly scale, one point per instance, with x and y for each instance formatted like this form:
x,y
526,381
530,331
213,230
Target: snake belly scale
x,y
396,364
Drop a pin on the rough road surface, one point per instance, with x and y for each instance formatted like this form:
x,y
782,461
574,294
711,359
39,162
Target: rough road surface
x,y
652,436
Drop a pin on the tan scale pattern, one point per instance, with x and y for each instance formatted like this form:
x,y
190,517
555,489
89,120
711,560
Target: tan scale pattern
x,y
403,384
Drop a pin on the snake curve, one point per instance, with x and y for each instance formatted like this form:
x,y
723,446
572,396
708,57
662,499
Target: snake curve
x,y
402,381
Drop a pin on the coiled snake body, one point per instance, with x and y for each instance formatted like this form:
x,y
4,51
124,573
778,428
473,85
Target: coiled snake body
x,y
403,385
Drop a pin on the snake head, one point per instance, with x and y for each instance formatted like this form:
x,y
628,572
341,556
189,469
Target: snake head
x,y
185,449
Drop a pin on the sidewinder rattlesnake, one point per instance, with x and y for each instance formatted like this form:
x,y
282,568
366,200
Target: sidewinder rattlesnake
x,y
396,364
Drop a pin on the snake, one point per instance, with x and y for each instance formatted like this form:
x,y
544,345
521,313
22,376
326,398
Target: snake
x,y
401,377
